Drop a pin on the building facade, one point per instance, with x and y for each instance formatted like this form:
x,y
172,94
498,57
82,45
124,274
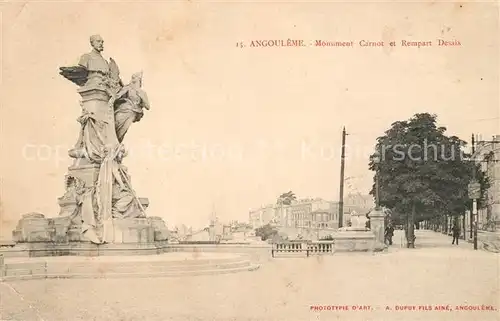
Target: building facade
x,y
310,212
322,219
359,202
300,212
262,216
254,218
487,154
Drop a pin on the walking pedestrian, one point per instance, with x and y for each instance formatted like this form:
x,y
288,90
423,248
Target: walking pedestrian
x,y
389,233
456,233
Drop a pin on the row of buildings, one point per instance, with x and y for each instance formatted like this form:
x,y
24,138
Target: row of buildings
x,y
319,213
216,231
487,154
310,213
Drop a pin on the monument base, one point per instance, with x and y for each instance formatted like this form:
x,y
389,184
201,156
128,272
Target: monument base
x,y
131,230
41,232
33,227
354,241
377,227
44,249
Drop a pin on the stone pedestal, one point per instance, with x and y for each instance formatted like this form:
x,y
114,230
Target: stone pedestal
x,y
133,230
72,226
95,99
36,228
74,233
60,228
33,227
87,173
354,241
67,206
161,232
377,227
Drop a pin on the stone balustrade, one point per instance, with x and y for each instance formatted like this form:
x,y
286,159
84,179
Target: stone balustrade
x,y
303,247
343,241
321,247
290,247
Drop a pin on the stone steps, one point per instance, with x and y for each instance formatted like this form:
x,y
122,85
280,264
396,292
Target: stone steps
x,y
143,268
54,268
251,267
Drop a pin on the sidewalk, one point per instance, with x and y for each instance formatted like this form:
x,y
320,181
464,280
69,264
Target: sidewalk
x,y
430,239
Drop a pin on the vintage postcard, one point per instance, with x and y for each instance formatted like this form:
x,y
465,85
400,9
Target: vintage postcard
x,y
249,160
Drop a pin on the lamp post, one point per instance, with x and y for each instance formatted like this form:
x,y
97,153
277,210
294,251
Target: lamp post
x,y
474,194
376,217
376,161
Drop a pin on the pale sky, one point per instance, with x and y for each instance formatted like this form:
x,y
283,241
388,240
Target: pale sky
x,y
262,113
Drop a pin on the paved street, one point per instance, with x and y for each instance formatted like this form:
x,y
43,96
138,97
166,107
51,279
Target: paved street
x,y
435,273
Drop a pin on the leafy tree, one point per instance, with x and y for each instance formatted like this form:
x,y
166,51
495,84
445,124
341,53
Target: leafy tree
x,y
266,232
286,198
423,173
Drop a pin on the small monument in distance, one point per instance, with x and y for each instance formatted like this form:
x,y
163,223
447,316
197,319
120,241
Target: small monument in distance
x,y
359,237
99,205
358,223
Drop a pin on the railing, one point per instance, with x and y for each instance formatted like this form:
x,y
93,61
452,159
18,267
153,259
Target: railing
x,y
309,247
290,248
320,247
